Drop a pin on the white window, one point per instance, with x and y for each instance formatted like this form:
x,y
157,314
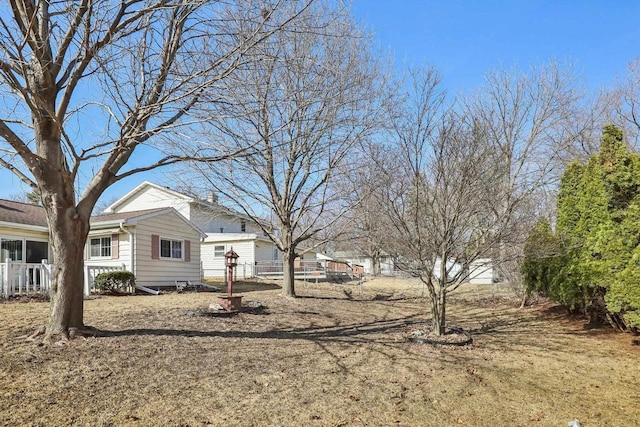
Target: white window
x,y
36,251
218,251
243,226
171,249
11,249
100,247
31,251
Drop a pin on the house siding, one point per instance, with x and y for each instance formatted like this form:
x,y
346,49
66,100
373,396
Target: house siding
x,y
152,198
164,272
211,221
215,267
124,252
481,272
21,233
265,252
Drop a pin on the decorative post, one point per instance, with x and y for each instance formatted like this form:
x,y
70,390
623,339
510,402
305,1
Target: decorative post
x,y
230,302
231,260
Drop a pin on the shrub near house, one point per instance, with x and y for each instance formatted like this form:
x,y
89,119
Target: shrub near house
x,y
115,282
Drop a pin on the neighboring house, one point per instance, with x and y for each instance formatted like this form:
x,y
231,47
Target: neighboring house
x,y
224,227
334,265
387,265
158,245
483,272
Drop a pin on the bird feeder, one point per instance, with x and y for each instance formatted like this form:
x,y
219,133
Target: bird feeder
x,y
231,261
230,302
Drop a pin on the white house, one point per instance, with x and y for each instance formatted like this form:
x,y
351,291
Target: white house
x,y
387,265
224,227
482,272
158,245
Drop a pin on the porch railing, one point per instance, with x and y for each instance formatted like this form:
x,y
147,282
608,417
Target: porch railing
x,y
91,271
18,278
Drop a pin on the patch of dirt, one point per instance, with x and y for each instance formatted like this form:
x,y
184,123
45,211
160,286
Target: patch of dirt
x,y
25,298
423,334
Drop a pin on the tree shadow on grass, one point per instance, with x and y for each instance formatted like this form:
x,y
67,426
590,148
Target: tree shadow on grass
x,y
244,286
354,332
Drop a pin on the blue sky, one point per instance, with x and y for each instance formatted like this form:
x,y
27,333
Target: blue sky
x,y
465,39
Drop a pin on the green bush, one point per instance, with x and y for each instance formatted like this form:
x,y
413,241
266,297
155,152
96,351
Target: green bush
x,y
115,281
592,261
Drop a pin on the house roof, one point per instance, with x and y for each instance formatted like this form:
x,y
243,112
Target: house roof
x,y
22,213
132,218
210,206
124,216
34,215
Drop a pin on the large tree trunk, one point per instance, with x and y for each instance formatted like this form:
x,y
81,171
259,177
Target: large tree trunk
x,y
68,230
288,265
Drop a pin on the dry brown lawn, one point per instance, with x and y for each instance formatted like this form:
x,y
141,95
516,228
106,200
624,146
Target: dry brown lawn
x,y
319,360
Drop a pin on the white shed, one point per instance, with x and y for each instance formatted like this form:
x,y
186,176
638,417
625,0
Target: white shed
x,y
481,272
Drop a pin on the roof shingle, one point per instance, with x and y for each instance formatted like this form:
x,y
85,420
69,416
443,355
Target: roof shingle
x,y
22,213
28,214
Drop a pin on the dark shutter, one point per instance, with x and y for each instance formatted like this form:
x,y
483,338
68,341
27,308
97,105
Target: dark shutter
x,y
187,251
115,246
155,246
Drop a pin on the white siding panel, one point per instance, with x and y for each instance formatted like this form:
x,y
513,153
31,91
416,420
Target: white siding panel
x,y
152,198
20,233
265,251
124,249
211,221
309,256
163,272
481,272
215,267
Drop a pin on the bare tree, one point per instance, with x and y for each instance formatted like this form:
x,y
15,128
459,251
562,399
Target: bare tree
x,y
364,227
460,184
86,84
625,100
531,121
437,195
306,100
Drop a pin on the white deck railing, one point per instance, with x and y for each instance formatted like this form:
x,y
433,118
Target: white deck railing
x,y
91,271
302,269
18,278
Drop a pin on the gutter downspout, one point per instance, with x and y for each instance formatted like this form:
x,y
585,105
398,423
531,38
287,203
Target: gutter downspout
x,y
131,247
